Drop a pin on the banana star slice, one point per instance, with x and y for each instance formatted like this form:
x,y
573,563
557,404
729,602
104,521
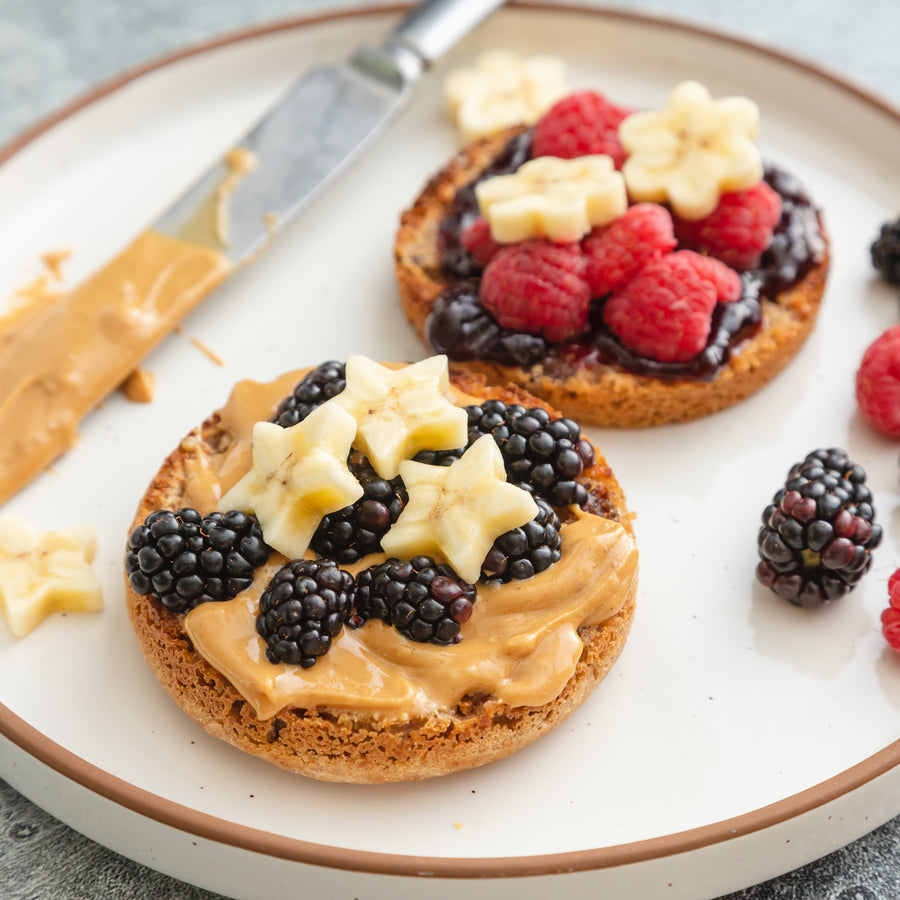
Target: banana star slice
x,y
42,572
400,412
457,512
503,89
691,151
297,475
548,197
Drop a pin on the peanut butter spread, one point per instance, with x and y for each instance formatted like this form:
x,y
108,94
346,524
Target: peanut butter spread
x,y
521,645
57,365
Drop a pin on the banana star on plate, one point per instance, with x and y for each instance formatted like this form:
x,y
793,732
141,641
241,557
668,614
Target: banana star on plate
x,y
691,151
298,475
558,199
43,572
503,89
400,412
456,512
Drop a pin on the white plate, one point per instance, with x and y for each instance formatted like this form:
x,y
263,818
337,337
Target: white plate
x,y
737,737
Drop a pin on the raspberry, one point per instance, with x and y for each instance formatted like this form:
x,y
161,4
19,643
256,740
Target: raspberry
x,y
878,383
890,617
615,253
738,230
665,311
890,626
724,279
581,124
538,287
478,241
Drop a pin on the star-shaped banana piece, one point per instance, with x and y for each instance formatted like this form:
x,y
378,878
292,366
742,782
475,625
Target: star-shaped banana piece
x,y
558,199
503,89
401,411
297,475
456,512
42,572
692,151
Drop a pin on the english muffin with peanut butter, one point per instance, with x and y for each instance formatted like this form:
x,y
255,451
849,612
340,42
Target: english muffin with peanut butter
x,y
370,573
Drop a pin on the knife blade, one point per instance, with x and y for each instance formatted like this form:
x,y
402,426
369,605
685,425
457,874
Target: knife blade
x,y
60,364
324,122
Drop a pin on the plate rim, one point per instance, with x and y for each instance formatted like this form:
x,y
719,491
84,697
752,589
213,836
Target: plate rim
x,y
176,815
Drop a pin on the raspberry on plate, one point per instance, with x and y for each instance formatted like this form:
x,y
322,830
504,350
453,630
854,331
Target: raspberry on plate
x,y
615,253
538,287
738,230
583,124
665,311
878,383
890,617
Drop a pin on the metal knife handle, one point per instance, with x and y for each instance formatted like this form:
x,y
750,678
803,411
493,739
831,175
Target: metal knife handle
x,y
431,28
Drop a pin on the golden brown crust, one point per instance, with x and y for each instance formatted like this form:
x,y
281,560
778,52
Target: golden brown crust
x,y
599,394
344,746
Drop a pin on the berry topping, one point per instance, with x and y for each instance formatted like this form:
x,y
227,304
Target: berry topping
x,y
878,383
739,230
478,241
538,287
616,253
523,552
582,124
459,326
185,559
890,617
304,606
885,252
317,386
350,533
818,533
425,601
665,311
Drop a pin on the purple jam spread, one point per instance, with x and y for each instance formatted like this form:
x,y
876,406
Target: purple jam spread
x,y
460,327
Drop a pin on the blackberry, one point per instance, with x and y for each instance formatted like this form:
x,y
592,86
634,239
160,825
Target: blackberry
x,y
185,559
322,383
885,252
523,552
540,452
546,453
425,601
303,607
354,531
819,531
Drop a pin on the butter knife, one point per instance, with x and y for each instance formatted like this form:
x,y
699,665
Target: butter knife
x,y
60,364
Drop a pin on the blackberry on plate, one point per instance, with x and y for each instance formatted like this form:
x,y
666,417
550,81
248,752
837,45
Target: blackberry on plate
x,y
185,559
885,252
322,383
354,531
302,609
523,552
425,601
819,531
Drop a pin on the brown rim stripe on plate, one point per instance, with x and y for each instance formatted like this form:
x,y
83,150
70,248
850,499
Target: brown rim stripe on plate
x,y
180,817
